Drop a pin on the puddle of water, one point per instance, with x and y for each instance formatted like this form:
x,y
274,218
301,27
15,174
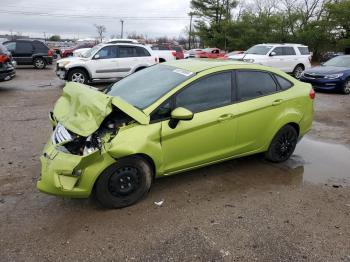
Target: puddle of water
x,y
323,162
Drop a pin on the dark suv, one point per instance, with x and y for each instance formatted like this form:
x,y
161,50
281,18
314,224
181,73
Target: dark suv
x,y
7,65
30,52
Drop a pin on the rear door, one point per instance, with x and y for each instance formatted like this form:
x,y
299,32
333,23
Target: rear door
x,y
210,135
128,59
104,63
290,58
24,52
260,101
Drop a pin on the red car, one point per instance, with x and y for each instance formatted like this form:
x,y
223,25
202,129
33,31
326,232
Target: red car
x,y
210,53
69,51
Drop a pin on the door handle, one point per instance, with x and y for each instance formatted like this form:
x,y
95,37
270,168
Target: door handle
x,y
225,117
277,102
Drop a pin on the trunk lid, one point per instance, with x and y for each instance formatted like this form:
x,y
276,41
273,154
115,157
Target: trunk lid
x,y
82,110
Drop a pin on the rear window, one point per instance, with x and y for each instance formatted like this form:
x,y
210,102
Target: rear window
x,y
284,83
40,46
142,51
288,50
177,48
304,50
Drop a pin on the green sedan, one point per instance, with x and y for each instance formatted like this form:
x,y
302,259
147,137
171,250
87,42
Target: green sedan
x,y
167,119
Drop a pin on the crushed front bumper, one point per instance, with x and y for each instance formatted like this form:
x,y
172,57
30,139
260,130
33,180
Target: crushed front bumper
x,y
68,175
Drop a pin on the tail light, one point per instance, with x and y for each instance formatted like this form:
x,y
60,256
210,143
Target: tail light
x,y
49,53
4,58
312,94
174,53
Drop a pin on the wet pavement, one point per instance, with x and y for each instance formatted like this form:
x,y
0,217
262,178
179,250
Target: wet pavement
x,y
245,209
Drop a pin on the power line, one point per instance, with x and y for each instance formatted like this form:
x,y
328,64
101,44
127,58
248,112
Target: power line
x,y
102,17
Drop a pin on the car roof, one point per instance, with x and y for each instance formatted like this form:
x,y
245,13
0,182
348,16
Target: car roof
x,y
198,65
282,44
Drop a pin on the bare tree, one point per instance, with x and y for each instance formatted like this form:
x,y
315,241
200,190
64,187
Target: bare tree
x,y
101,29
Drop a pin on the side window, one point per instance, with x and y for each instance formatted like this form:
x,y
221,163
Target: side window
x,y
40,46
127,51
289,50
284,83
162,112
253,84
142,51
11,46
278,51
304,50
107,52
24,47
206,93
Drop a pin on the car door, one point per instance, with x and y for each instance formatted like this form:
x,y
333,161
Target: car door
x,y
127,59
210,135
259,102
277,58
104,64
24,52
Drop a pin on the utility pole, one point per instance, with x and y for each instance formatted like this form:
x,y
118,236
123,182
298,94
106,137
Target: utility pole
x,y
122,31
45,37
190,33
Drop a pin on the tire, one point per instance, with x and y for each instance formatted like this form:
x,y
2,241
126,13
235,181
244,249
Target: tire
x,y
124,183
282,145
78,76
298,70
346,87
39,63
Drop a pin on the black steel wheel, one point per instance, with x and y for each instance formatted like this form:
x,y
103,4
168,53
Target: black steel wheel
x,y
124,183
283,144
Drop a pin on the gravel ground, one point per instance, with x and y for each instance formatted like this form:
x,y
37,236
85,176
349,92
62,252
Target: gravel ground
x,y
241,210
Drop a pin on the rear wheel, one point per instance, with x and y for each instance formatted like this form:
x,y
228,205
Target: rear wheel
x,y
39,63
346,87
298,70
78,76
283,144
124,183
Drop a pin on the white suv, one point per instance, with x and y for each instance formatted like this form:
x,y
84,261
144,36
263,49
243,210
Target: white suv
x,y
106,63
290,58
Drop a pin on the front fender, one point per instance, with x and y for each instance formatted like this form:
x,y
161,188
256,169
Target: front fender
x,y
138,139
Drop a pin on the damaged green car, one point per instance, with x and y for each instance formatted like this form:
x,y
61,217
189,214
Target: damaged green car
x,y
168,119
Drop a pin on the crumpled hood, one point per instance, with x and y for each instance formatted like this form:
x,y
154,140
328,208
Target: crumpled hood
x,y
82,110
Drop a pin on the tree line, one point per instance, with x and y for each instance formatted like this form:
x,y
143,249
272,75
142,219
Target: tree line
x,y
323,25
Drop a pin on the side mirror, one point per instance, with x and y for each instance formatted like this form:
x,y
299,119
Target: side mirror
x,y
178,114
97,56
273,54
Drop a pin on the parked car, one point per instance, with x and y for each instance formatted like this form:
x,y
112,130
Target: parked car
x,y
290,58
7,64
179,52
167,119
30,52
164,54
192,53
210,53
106,63
331,75
69,51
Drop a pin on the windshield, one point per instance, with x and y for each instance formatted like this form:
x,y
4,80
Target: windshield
x,y
339,61
90,52
143,88
259,50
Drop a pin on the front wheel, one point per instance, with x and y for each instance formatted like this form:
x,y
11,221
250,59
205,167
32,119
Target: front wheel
x,y
298,70
282,145
346,87
124,183
78,76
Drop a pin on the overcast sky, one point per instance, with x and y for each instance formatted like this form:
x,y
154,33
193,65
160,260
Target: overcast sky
x,y
75,18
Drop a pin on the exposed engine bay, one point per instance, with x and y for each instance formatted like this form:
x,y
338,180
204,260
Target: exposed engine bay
x,y
69,142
